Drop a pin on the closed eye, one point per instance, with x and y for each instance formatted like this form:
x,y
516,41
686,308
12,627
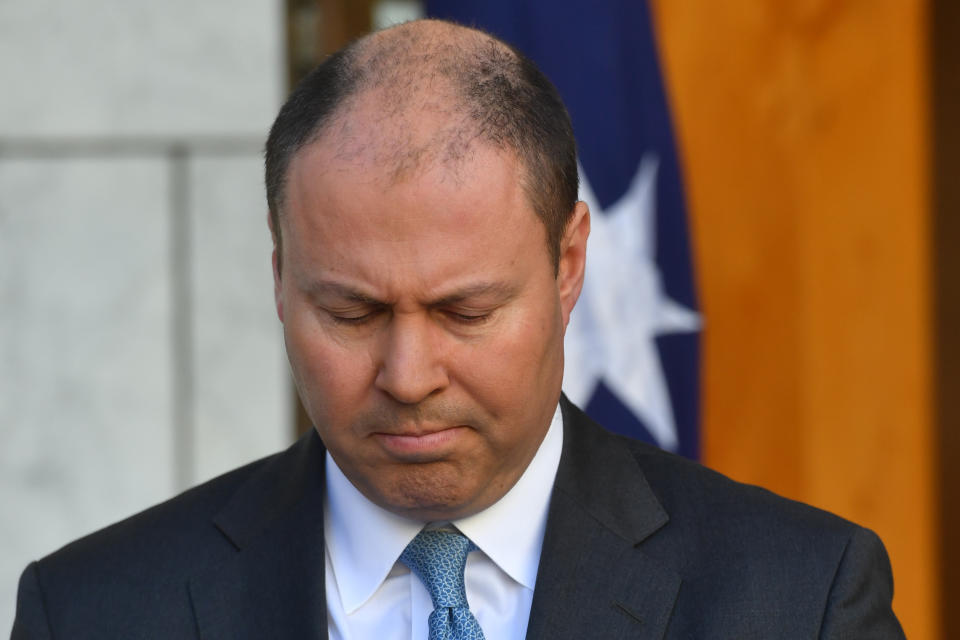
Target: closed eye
x,y
354,318
469,318
350,320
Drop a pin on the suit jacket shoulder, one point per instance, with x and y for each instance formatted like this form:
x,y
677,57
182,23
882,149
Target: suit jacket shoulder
x,y
157,574
663,547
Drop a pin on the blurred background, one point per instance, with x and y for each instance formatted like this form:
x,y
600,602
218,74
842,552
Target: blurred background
x,y
817,150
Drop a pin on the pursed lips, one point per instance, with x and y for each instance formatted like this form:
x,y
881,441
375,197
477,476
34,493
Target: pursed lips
x,y
418,441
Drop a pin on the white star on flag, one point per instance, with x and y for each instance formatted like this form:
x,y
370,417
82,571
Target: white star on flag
x,y
623,308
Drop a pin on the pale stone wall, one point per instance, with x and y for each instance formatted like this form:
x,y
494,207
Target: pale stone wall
x,y
139,352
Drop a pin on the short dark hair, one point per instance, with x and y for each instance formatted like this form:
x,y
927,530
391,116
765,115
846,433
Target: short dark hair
x,y
506,101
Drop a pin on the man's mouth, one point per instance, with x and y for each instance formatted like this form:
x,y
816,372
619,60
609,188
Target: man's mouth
x,y
419,443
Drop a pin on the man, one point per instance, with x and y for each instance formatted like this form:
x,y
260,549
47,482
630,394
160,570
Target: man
x,y
429,249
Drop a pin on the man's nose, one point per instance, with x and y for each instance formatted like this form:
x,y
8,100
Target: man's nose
x,y
411,367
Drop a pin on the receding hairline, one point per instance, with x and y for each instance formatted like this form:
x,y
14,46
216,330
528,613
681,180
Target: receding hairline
x,y
403,145
413,65
479,81
416,80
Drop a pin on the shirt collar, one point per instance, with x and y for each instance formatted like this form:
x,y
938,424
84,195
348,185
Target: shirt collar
x,y
365,540
510,531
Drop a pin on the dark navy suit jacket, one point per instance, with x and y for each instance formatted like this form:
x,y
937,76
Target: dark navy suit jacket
x,y
639,544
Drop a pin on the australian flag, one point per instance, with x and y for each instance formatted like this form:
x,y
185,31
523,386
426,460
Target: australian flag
x,y
632,347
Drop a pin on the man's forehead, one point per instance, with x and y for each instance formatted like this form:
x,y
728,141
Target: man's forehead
x,y
360,201
335,172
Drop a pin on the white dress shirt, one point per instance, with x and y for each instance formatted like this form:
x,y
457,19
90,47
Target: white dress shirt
x,y
372,596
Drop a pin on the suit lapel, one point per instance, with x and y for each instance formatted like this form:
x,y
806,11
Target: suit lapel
x,y
273,584
594,579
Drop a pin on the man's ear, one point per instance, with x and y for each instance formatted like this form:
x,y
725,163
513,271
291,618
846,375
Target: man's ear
x,y
275,263
573,257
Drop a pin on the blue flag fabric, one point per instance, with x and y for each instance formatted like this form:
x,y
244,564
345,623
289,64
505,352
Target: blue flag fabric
x,y
633,356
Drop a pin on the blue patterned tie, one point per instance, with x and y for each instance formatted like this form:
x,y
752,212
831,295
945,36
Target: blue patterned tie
x,y
438,557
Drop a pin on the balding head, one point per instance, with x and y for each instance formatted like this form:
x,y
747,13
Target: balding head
x,y
434,90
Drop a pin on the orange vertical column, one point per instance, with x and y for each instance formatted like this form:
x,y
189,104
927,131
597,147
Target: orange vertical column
x,y
804,132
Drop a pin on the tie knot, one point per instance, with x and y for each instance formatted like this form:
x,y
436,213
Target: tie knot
x,y
438,557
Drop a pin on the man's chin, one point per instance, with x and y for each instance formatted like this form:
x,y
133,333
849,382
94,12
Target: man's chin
x,y
418,498
436,512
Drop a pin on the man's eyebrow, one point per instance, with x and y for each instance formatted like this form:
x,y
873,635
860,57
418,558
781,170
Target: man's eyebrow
x,y
498,291
344,292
